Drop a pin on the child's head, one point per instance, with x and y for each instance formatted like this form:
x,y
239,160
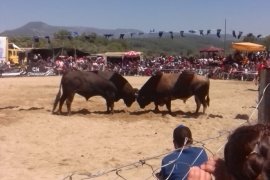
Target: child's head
x,y
182,136
247,152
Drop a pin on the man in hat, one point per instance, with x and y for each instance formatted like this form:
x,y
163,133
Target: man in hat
x,y
176,164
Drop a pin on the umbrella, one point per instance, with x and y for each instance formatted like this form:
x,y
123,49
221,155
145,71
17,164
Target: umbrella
x,y
247,46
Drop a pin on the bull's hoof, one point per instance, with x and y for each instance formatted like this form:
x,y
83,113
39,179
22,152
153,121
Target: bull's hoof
x,y
57,113
109,112
172,113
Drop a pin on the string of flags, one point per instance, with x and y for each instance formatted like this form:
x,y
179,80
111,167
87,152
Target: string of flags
x,y
159,33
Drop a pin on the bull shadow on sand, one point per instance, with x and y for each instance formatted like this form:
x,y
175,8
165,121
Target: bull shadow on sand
x,y
31,109
253,89
165,112
8,107
137,113
197,115
21,109
87,112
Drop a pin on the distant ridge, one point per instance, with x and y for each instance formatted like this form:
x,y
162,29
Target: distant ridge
x,y
43,29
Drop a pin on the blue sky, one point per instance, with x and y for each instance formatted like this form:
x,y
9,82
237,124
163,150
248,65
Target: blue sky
x,y
249,16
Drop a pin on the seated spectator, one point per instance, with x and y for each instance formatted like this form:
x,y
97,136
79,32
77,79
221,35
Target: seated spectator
x,y
247,157
176,165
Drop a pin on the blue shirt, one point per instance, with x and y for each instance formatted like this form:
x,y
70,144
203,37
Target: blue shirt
x,y
178,164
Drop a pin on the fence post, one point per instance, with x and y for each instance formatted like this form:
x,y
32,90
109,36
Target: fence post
x,y
264,106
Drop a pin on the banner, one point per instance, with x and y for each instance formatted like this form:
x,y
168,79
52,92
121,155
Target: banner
x,y
39,71
3,49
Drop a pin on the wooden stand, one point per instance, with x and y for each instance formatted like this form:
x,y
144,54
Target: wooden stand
x,y
264,106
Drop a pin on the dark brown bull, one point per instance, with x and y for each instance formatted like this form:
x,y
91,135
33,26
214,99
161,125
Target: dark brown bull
x,y
163,88
124,89
86,84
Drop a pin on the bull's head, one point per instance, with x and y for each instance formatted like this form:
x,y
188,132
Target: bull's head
x,y
143,100
131,97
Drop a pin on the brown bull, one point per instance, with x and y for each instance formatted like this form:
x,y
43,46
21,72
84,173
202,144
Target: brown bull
x,y
162,88
124,89
86,84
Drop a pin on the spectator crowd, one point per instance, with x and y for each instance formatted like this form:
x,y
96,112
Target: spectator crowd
x,y
235,66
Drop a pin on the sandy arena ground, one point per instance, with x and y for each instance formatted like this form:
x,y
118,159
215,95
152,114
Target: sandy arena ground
x,y
35,144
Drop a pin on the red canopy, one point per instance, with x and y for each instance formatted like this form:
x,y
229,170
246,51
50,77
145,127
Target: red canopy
x,y
211,49
132,54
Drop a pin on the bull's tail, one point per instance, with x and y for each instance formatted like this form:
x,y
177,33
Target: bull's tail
x,y
207,96
57,98
208,100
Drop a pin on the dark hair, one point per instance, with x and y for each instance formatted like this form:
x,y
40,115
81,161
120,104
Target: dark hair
x,y
180,134
247,152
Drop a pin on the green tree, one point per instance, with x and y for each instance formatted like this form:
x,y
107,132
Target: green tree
x,y
250,38
62,35
266,42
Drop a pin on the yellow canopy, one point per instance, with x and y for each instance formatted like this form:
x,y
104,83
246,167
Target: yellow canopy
x,y
247,46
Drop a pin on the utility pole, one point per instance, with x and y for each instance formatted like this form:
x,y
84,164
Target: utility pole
x,y
225,37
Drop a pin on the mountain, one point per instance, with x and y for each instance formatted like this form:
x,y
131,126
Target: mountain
x,y
43,29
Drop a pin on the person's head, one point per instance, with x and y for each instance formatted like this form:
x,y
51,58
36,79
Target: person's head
x,y
182,136
247,152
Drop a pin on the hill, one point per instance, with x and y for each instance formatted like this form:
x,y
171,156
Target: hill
x,y
43,29
150,43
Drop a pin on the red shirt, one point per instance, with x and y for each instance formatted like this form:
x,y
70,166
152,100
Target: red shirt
x,y
260,67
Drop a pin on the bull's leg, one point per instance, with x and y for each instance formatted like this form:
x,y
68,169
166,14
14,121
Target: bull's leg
x,y
156,108
203,101
69,101
198,103
204,105
62,100
110,106
168,105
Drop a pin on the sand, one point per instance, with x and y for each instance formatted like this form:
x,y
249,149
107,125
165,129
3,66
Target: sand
x,y
36,144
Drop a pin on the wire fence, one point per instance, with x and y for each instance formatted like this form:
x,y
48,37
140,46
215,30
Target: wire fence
x,y
148,162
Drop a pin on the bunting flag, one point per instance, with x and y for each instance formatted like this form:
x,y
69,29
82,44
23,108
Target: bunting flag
x,y
107,36
152,30
36,39
234,34
48,39
250,35
72,35
75,34
218,33
171,33
192,31
240,34
132,34
160,33
121,36
182,33
201,32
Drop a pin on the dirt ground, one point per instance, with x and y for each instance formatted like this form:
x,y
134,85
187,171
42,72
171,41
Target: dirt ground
x,y
35,144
